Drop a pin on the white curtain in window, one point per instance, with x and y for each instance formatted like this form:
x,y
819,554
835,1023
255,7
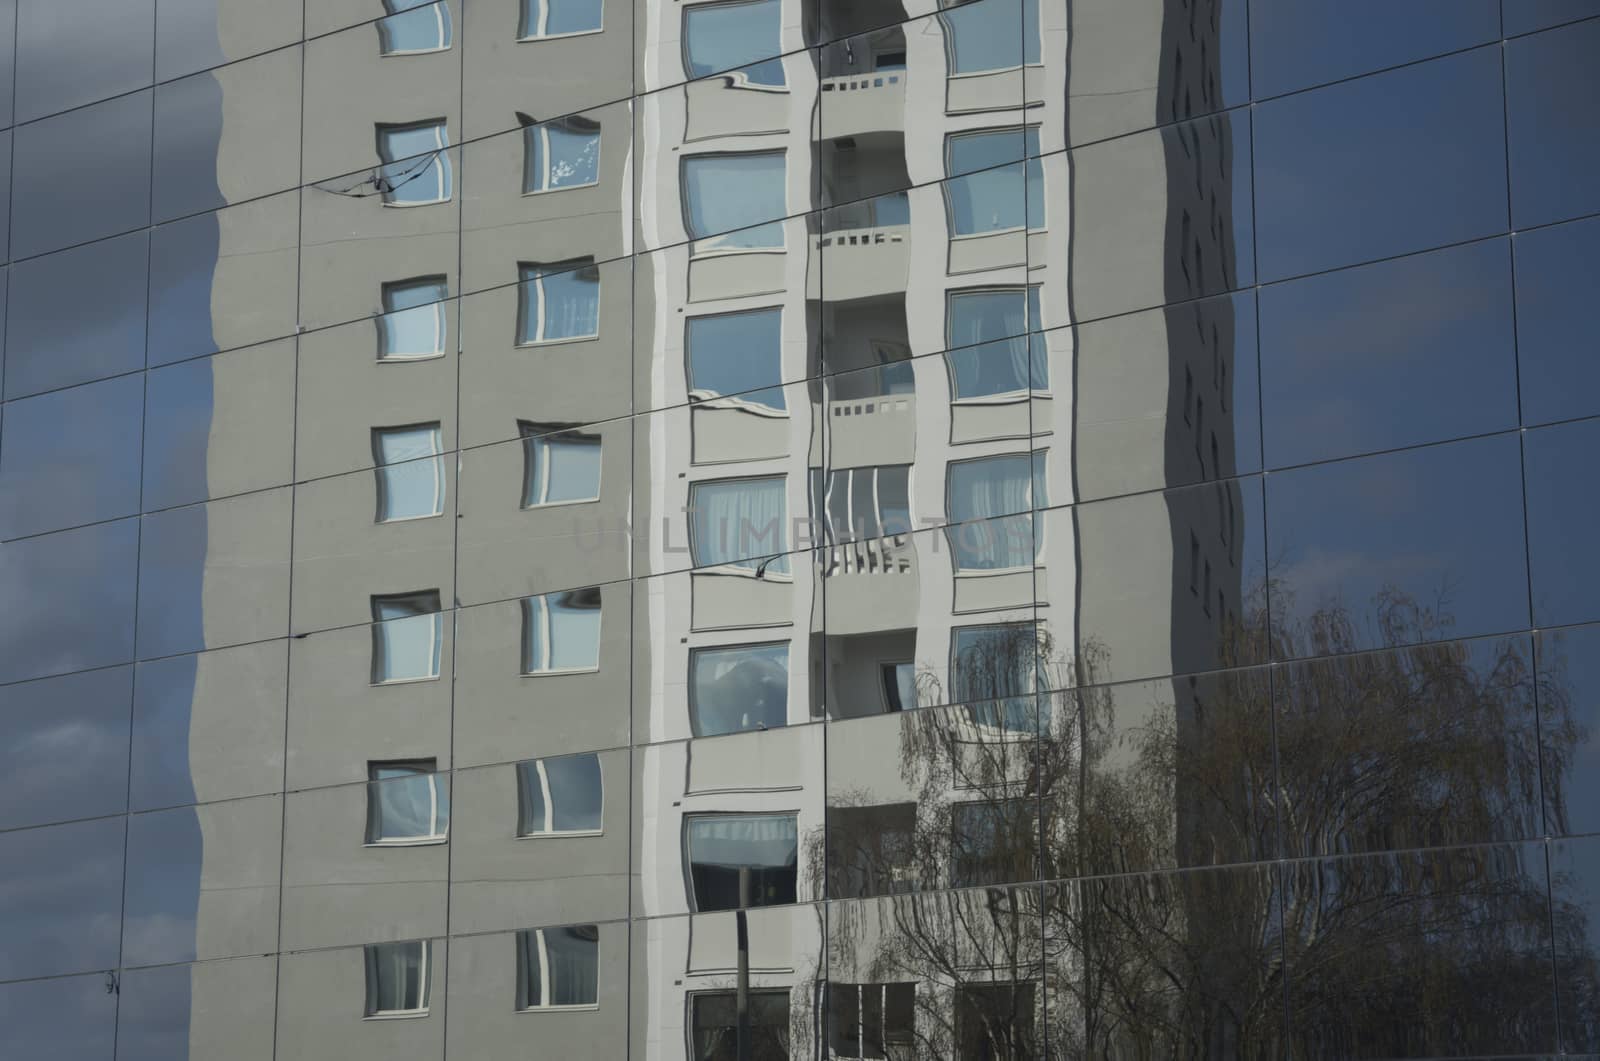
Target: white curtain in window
x,y
742,35
743,840
413,320
739,522
573,956
560,301
984,490
725,195
561,468
412,475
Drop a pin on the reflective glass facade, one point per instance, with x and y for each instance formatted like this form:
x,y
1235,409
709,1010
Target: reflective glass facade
x,y
692,530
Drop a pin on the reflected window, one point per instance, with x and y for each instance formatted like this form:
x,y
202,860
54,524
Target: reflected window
x,y
416,167
407,637
721,845
990,35
995,671
397,978
727,197
871,1020
740,688
741,36
988,501
413,321
561,154
993,841
866,503
736,354
414,26
558,968
992,343
715,1015
406,803
995,1022
561,632
559,18
986,171
410,471
872,850
899,685
558,301
558,467
739,523
563,796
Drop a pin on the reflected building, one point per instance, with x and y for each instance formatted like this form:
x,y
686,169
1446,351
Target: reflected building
x,y
777,529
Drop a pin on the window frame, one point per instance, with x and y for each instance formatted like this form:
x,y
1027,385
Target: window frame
x,y
692,692
441,327
849,474
1038,680
884,1038
547,795
736,76
1032,169
380,466
532,435
544,617
1038,471
1032,299
541,132
439,829
439,154
949,41
713,245
436,635
524,982
740,400
531,295
441,15
525,37
692,997
369,958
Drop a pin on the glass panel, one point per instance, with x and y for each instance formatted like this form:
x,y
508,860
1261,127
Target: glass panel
x,y
737,689
64,748
716,1025
63,888
1382,165
718,37
1563,562
559,301
983,489
720,846
573,961
413,322
1560,377
416,168
739,522
1382,551
737,354
982,192
409,484
994,671
561,154
407,637
406,802
725,193
397,977
1553,133
1388,355
994,842
415,26
71,600
551,18
72,1018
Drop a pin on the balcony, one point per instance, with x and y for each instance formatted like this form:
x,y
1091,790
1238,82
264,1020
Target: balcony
x,y
872,584
855,104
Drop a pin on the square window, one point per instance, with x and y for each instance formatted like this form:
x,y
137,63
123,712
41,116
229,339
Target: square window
x,y
988,501
742,36
397,978
558,467
558,968
715,1020
995,1022
407,637
720,845
990,35
735,201
861,504
563,796
866,1020
561,154
410,472
737,357
561,632
406,803
560,18
413,322
992,343
416,167
994,841
899,685
414,26
739,523
872,850
987,170
739,688
995,670
558,302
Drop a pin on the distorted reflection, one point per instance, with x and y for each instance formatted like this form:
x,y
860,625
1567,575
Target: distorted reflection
x,y
407,637
560,797
558,968
414,26
406,804
561,632
397,978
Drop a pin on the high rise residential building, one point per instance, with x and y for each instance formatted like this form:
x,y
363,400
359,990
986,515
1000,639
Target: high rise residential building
x,y
766,530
